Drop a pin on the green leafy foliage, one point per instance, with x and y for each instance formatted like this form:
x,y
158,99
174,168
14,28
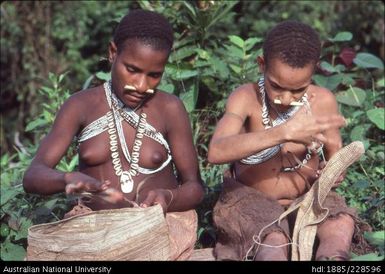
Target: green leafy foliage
x,y
216,45
20,210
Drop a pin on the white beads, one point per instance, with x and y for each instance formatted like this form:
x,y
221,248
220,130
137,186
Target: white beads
x,y
125,177
282,117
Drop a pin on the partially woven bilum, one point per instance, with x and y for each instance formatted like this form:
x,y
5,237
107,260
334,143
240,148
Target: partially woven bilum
x,y
310,207
111,235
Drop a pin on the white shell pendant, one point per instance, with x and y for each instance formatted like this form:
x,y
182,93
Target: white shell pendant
x,y
126,182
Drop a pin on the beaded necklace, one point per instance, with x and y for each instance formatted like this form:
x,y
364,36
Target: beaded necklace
x,y
283,117
115,126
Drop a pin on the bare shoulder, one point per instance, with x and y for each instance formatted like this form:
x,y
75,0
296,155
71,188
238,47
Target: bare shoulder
x,y
88,97
169,102
242,98
85,104
322,95
243,93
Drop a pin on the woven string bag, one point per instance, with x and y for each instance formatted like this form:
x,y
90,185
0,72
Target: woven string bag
x,y
129,234
310,206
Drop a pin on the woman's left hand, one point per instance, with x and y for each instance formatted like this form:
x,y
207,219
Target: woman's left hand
x,y
163,197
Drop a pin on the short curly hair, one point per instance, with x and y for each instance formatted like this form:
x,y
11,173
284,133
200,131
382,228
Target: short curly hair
x,y
292,42
149,27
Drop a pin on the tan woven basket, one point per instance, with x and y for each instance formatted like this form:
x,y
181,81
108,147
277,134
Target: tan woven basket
x,y
110,235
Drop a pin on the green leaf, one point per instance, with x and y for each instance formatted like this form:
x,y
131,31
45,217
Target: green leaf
x,y
23,229
189,98
178,73
88,82
368,257
235,68
234,52
352,97
342,36
12,252
367,60
105,76
50,203
329,82
182,53
8,193
381,83
376,116
250,43
185,74
376,238
358,133
236,40
73,163
190,8
169,88
220,67
328,67
361,184
35,123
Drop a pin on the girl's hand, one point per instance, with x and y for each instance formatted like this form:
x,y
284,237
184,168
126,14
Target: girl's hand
x,y
164,197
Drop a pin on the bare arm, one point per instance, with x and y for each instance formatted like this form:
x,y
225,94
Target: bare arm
x,y
179,137
230,144
327,106
41,177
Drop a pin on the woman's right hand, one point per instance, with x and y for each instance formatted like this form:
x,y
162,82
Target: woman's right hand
x,y
305,128
77,182
80,183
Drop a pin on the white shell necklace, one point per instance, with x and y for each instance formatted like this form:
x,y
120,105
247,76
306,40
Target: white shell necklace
x,y
283,117
114,125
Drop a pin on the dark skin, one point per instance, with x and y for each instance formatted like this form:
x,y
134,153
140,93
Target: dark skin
x,y
141,66
241,133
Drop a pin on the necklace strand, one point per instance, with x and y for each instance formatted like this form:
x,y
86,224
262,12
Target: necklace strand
x,y
283,117
115,126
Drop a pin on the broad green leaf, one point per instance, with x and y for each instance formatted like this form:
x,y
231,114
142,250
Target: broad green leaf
x,y
182,53
12,252
342,36
353,96
105,76
179,73
73,163
9,193
25,223
368,257
203,54
235,52
361,184
220,67
358,133
189,98
250,43
329,82
377,117
381,83
185,74
169,88
235,68
367,60
328,67
50,203
236,40
34,124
